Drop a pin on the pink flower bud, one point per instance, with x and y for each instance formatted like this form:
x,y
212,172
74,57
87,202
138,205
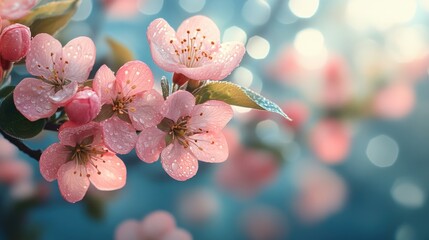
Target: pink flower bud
x,y
15,42
83,107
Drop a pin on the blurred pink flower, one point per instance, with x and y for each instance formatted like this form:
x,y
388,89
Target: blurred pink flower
x,y
14,42
83,107
247,171
60,70
199,205
134,103
13,171
322,193
336,86
394,101
159,225
299,113
80,158
330,140
264,223
121,8
193,132
194,50
14,9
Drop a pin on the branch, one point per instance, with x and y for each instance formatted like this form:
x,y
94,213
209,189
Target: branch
x,y
22,147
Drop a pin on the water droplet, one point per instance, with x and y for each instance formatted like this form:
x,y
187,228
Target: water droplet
x,y
174,166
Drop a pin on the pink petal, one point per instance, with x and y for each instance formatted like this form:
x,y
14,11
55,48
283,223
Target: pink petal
x,y
64,95
210,116
119,136
144,111
211,147
206,26
179,104
14,9
75,134
110,173
52,159
39,61
31,98
104,84
228,58
178,162
72,184
159,35
150,143
134,77
177,234
78,59
156,225
128,231
204,72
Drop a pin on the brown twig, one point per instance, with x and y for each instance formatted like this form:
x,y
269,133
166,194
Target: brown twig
x,y
22,147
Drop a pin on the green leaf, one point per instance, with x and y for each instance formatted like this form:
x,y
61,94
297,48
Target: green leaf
x,y
121,54
51,17
15,124
234,94
6,91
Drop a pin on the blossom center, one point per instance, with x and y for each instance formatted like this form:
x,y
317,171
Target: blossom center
x,y
192,50
56,79
120,104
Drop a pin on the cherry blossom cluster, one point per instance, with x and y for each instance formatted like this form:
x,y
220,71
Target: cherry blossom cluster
x,y
114,113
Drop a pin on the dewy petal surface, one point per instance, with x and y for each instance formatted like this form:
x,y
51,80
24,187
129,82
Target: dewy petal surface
x,y
178,104
144,111
64,95
210,147
110,173
73,135
228,58
14,9
212,115
52,159
150,143
72,185
31,98
119,136
44,51
134,77
159,35
104,84
78,59
178,162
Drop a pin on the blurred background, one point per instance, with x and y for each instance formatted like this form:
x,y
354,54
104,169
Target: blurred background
x,y
353,163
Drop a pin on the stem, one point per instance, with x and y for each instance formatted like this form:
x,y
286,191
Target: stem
x,y
22,147
192,85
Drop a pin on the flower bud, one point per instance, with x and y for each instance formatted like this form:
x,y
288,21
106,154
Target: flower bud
x,y
15,42
83,107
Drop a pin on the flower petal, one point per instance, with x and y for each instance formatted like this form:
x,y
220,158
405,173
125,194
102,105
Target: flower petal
x,y
128,230
72,184
78,59
31,98
228,57
159,35
75,134
179,104
211,147
134,77
14,9
110,173
177,234
51,160
156,225
178,162
44,51
144,110
64,95
104,84
119,136
211,116
150,144
207,29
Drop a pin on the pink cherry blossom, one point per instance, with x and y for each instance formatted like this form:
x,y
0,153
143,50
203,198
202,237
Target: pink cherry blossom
x,y
83,107
14,42
14,9
394,101
80,158
135,105
59,71
194,50
330,140
193,132
159,225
